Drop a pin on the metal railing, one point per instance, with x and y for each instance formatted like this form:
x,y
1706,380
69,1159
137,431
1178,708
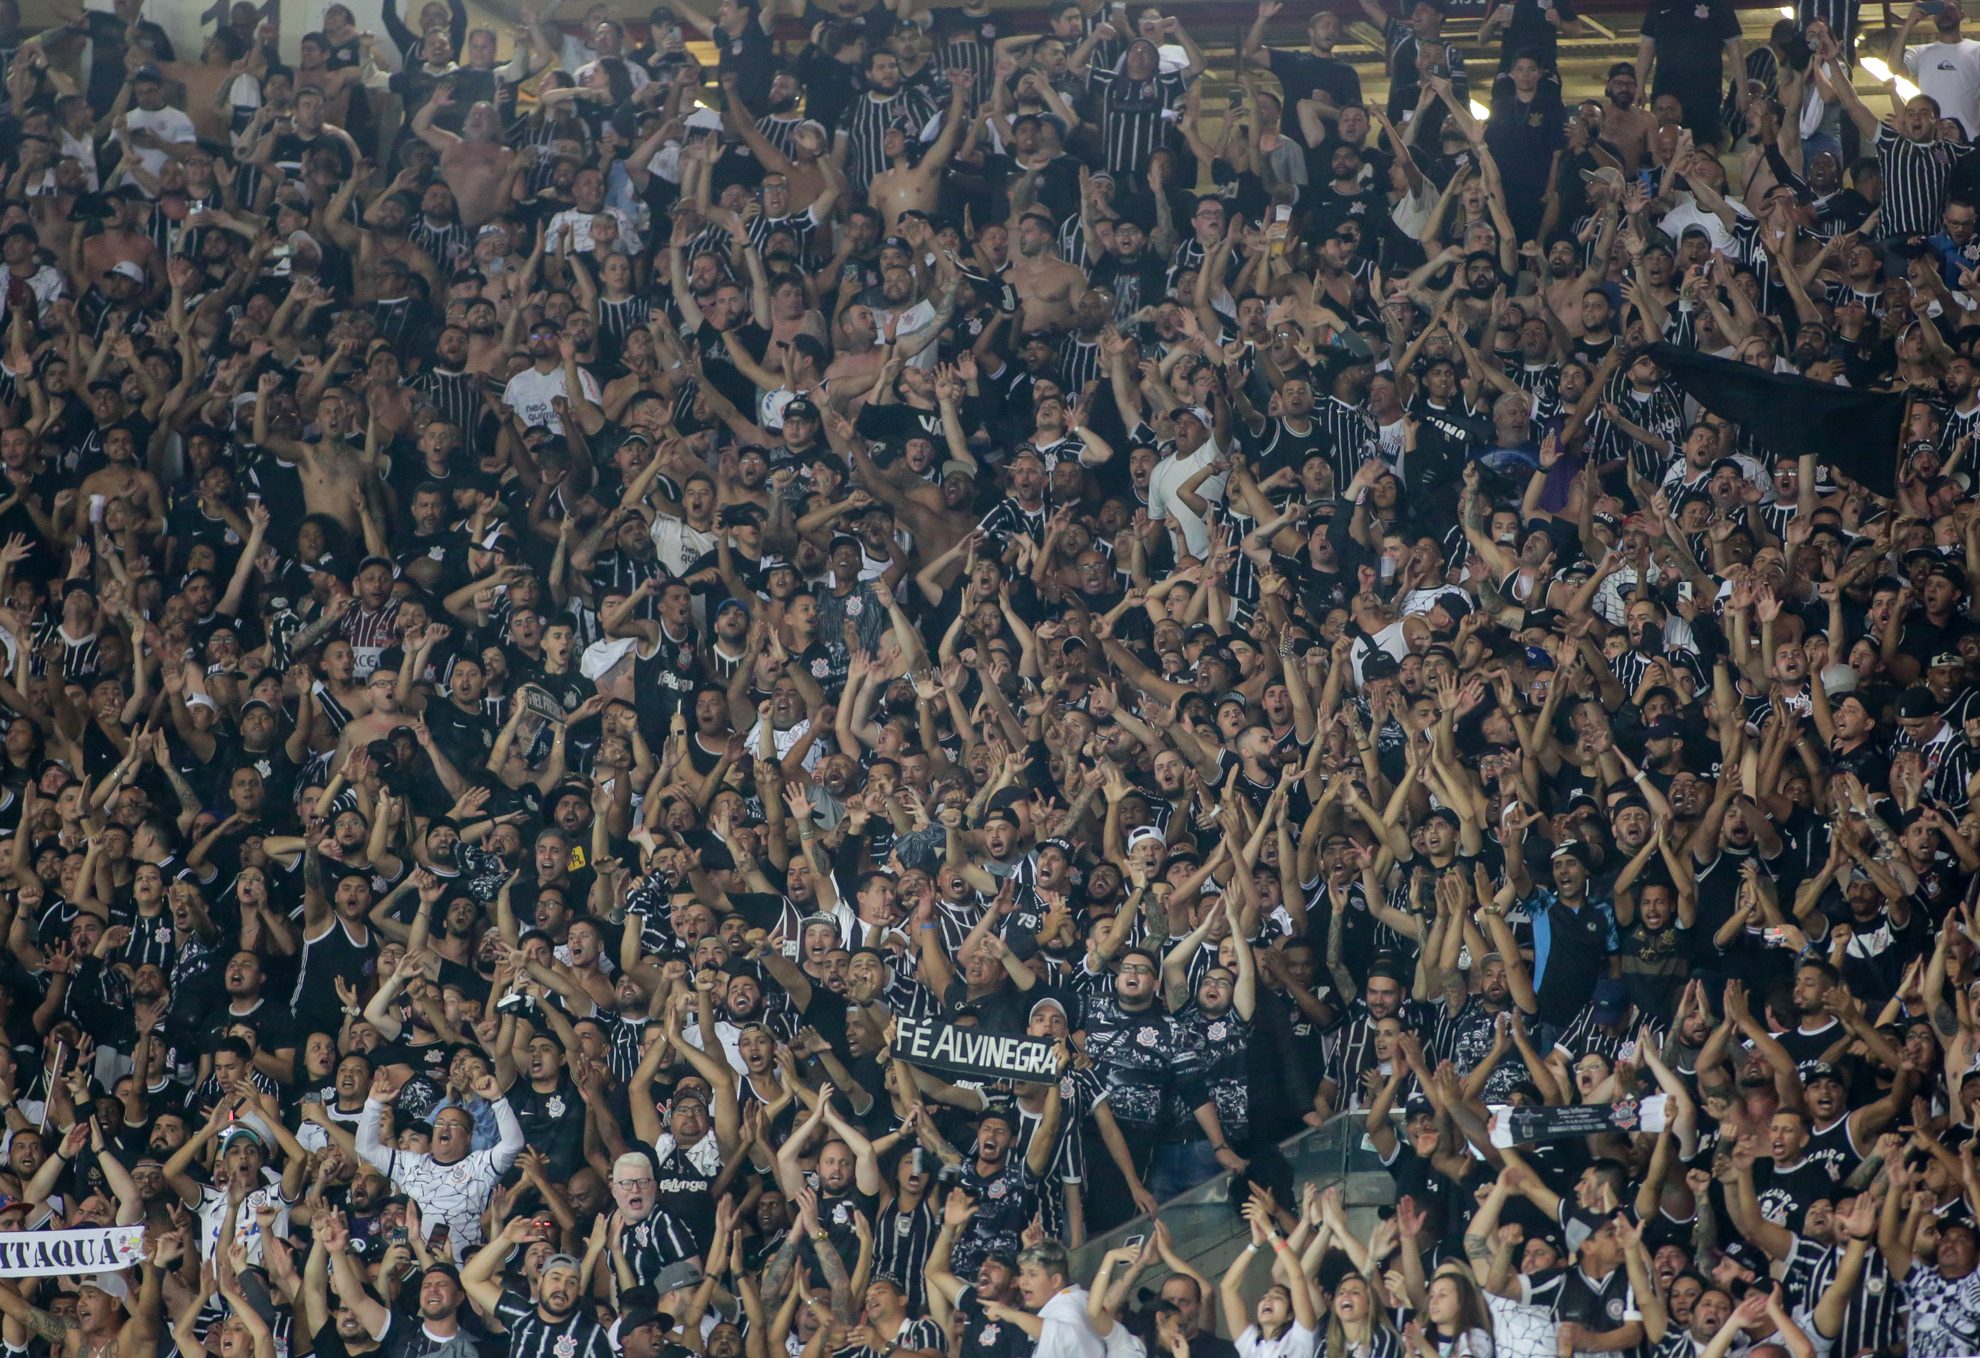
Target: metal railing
x,y
1204,1221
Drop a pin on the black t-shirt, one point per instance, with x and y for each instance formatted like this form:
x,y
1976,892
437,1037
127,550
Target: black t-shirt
x,y
1303,74
983,1337
1690,37
552,1123
1785,1195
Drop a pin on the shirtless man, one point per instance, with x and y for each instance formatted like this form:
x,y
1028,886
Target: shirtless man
x,y
109,1322
313,70
203,80
1047,285
122,479
1626,125
332,469
910,186
116,244
475,163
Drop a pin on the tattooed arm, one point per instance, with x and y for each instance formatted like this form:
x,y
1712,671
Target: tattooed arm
x,y
777,1274
39,1323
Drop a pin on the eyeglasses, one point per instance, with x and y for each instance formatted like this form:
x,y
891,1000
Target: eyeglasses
x,y
632,1183
1139,969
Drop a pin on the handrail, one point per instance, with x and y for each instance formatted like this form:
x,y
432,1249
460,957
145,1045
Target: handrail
x,y
1204,1222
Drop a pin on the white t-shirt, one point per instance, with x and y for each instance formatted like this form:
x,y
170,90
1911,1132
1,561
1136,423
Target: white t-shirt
x,y
213,1215
1165,501
169,124
580,225
530,392
1950,73
1296,1342
677,545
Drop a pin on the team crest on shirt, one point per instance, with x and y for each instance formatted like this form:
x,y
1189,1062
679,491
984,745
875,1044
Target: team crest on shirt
x,y
1218,1030
999,1189
854,606
987,1336
1874,1286
903,1225
1615,1308
1146,1037
555,1106
565,1346
821,669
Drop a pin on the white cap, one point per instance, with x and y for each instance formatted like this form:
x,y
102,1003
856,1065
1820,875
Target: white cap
x,y
1141,835
110,1285
130,269
704,120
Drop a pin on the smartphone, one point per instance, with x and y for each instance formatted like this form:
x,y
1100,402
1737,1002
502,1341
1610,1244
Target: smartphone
x,y
1133,1242
1774,937
790,949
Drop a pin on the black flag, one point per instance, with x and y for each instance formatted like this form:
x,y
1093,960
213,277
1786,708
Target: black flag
x,y
1853,431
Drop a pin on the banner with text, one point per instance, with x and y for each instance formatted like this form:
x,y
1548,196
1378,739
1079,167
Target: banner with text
x,y
972,1053
39,1254
1519,1126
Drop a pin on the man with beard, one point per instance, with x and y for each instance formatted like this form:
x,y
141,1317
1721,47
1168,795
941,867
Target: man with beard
x,y
1136,1047
554,1322
1134,274
447,383
451,1184
359,1323
1006,1186
994,1284
553,374
849,1181
860,143
1344,196
1626,125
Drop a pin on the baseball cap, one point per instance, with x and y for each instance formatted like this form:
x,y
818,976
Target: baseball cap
x,y
1917,701
127,268
1609,1001
676,1276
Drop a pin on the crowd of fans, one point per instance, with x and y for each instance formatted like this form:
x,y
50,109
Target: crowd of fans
x,y
552,595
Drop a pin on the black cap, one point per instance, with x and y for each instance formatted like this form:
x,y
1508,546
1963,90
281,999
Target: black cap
x,y
1380,665
1948,570
1917,701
